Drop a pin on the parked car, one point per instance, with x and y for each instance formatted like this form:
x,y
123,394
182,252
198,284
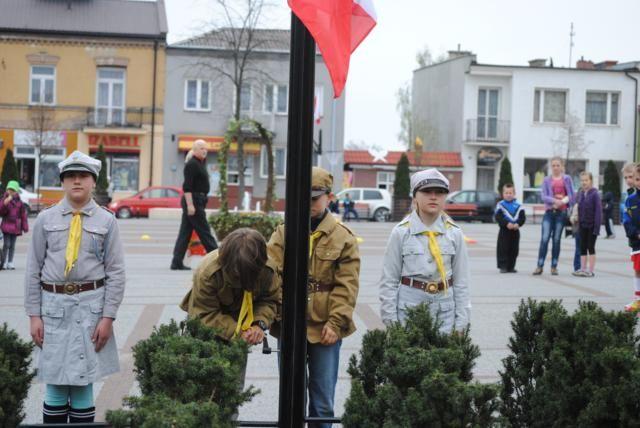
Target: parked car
x,y
30,200
139,204
371,203
472,205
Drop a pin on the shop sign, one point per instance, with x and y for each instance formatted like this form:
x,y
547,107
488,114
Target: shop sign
x,y
489,156
114,141
214,144
25,137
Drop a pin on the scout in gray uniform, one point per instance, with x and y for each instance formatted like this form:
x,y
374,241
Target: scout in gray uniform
x,y
73,287
426,259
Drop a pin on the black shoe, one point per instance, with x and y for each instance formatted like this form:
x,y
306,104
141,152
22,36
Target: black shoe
x,y
503,271
512,271
180,267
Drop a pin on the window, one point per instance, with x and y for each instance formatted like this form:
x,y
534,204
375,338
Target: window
x,y
464,198
487,197
487,114
38,171
372,195
602,108
172,193
549,106
534,172
232,170
49,174
43,85
154,193
353,193
276,99
197,95
385,180
245,98
123,170
279,162
110,99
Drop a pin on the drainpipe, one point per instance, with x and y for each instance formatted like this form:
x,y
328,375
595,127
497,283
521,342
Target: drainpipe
x,y
153,108
635,116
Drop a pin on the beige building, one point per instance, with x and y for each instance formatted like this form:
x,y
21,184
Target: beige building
x,y
77,74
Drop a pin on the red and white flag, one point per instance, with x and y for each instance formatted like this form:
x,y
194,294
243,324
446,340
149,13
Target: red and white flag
x,y
338,27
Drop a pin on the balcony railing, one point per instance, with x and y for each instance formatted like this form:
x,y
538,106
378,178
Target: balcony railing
x,y
488,129
115,117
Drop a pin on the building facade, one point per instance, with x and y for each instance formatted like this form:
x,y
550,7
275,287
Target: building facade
x,y
75,75
200,102
587,115
378,170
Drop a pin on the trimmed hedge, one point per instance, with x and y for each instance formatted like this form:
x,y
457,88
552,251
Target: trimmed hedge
x,y
225,223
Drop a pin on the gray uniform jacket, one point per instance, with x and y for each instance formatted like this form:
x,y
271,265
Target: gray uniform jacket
x,y
408,254
68,356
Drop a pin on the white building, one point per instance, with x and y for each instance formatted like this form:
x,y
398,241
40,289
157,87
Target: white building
x,y
487,112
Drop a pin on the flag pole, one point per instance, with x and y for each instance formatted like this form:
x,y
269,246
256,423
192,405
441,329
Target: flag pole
x,y
296,256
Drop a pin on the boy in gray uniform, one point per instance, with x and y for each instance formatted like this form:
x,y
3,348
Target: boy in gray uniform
x,y
426,260
73,287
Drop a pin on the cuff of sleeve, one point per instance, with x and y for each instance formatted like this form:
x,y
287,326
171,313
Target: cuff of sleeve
x,y
109,312
335,326
264,320
33,312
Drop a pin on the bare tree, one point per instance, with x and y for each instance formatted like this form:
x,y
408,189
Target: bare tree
x,y
571,143
235,31
403,107
42,135
424,57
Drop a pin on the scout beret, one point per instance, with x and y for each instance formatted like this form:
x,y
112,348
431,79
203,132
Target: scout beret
x,y
321,182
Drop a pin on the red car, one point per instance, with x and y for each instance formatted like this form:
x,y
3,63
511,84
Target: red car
x,y
152,197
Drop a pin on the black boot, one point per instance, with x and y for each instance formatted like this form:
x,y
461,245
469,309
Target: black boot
x,y
82,415
54,414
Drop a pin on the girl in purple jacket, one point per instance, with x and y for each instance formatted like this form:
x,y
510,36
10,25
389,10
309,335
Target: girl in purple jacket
x,y
14,222
589,219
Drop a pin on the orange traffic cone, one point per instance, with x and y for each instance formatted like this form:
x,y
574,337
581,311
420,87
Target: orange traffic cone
x,y
195,246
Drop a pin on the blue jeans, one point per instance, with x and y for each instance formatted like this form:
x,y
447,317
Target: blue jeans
x,y
552,226
323,362
576,257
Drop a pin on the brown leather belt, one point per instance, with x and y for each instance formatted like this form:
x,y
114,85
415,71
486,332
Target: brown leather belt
x,y
315,287
427,287
72,287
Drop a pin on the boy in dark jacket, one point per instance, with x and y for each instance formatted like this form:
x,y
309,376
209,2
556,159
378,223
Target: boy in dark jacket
x,y
14,222
510,217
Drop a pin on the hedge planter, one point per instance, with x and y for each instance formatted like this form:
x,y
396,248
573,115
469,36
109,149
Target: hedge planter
x,y
415,376
15,376
225,223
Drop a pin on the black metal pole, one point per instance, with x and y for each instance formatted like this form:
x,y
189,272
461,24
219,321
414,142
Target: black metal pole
x,y
296,254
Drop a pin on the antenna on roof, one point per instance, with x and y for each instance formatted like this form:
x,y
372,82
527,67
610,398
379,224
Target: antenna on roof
x,y
571,34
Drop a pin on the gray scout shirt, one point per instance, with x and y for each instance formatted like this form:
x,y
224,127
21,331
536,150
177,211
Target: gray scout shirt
x,y
408,254
101,254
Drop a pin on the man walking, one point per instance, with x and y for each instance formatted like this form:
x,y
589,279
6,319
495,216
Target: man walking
x,y
194,201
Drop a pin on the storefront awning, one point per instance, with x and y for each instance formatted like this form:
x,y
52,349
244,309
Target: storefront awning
x,y
185,143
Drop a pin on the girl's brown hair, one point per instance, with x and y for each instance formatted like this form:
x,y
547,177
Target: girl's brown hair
x,y
243,255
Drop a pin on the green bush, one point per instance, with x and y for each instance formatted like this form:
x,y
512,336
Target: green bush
x,y
416,376
612,180
188,365
571,370
402,182
505,174
225,223
159,411
9,170
15,376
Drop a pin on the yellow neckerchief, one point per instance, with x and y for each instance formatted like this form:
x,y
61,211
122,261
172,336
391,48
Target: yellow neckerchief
x,y
312,239
437,255
73,242
245,319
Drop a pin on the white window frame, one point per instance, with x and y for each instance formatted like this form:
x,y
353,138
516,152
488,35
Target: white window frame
x,y
263,154
274,99
233,106
248,175
541,106
42,78
609,109
486,115
198,107
387,183
58,157
110,107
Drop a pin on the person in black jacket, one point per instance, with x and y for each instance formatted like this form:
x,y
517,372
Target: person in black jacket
x,y
608,205
510,217
194,201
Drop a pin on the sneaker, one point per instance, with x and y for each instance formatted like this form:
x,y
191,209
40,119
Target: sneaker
x,y
633,307
589,274
10,266
554,271
503,271
538,271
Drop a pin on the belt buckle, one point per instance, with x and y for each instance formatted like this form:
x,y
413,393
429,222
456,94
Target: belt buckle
x,y
71,288
431,288
312,286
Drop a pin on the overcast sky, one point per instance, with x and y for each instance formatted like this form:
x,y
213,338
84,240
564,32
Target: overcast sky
x,y
497,31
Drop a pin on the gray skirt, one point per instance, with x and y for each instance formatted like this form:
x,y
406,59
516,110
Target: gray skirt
x,y
68,356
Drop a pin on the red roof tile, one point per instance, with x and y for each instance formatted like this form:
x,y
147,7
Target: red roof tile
x,y
433,159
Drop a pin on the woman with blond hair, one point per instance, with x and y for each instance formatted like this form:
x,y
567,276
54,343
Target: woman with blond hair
x,y
557,195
